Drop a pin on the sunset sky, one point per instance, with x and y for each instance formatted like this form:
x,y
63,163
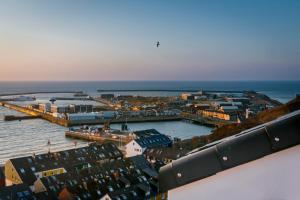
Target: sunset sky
x,y
115,40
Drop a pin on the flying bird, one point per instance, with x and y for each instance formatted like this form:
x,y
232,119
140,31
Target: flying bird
x,y
157,44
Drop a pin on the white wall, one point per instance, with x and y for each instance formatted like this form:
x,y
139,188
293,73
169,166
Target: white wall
x,y
133,149
274,177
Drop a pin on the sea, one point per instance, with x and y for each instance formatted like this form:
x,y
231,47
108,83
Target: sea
x,y
23,138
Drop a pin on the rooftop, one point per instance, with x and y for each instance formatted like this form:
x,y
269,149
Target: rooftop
x,y
152,138
29,167
233,151
20,192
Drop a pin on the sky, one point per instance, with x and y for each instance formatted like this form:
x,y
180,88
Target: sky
x,y
67,40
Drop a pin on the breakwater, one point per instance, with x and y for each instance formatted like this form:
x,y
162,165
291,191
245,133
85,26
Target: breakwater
x,y
28,111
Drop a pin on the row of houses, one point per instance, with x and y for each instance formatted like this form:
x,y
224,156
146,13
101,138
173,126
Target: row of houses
x,y
92,172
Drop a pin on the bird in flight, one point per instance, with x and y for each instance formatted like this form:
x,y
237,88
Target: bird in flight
x,y
157,44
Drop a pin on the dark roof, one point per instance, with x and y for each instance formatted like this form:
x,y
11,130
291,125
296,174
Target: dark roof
x,y
244,147
152,138
116,178
68,159
2,176
171,153
16,192
140,161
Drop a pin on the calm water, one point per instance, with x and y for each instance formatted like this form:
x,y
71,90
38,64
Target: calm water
x,y
28,136
280,90
22,138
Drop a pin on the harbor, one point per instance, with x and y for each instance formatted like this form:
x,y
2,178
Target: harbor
x,y
68,123
31,136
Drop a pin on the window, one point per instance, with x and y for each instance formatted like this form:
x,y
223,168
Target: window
x,y
22,171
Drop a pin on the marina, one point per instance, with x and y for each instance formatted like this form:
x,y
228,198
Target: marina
x,y
23,138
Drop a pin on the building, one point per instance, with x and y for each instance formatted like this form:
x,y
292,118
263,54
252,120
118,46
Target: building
x,y
237,170
92,172
107,96
60,109
191,96
81,108
210,113
244,100
108,114
2,178
146,139
116,179
219,104
45,107
186,96
227,109
31,168
164,155
83,116
17,192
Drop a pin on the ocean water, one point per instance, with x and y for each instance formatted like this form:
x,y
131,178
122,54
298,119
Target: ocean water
x,y
280,90
21,138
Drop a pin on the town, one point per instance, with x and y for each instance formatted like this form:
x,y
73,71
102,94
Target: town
x,y
116,164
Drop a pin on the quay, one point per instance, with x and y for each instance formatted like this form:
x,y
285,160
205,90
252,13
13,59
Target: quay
x,y
125,120
101,138
68,123
204,121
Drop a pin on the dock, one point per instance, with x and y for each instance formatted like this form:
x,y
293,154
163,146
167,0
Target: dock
x,y
68,123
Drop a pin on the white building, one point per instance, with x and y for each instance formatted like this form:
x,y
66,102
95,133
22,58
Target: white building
x,y
133,148
146,139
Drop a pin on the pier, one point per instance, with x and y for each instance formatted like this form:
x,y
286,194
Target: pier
x,y
68,123
31,112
